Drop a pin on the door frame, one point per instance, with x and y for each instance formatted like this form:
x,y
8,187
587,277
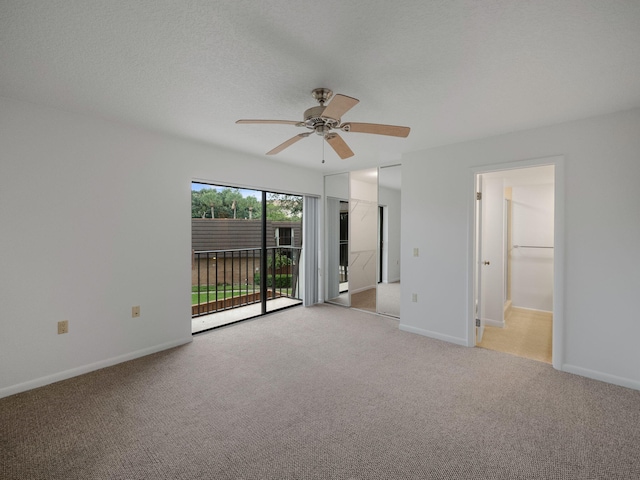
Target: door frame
x,y
382,268
559,248
477,274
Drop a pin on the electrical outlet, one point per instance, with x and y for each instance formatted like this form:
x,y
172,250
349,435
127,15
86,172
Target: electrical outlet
x,y
135,311
416,252
414,297
63,327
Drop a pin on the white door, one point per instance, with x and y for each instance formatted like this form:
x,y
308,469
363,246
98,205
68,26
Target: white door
x,y
478,263
492,252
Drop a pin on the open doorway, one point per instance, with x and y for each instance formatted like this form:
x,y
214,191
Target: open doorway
x,y
515,261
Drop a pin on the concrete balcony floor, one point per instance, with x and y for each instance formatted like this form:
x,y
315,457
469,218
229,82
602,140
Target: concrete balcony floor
x,y
231,315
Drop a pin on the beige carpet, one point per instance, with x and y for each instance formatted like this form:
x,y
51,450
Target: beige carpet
x,y
320,393
527,333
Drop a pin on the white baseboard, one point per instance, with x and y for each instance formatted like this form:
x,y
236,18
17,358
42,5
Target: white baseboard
x,y
493,323
513,307
603,377
363,289
74,372
436,335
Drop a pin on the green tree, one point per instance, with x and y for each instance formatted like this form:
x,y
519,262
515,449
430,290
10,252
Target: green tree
x,y
225,203
209,198
199,205
229,203
283,207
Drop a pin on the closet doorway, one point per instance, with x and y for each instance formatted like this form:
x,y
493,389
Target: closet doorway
x,y
362,218
514,286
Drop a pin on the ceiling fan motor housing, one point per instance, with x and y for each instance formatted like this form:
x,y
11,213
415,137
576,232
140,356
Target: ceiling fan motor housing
x,y
314,120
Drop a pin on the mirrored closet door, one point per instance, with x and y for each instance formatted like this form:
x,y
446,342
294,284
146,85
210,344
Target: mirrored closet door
x,y
389,187
363,238
336,189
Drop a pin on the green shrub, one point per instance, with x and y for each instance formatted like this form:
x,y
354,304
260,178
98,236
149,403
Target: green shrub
x,y
282,260
283,280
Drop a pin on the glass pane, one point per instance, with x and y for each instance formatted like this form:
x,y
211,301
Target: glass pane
x,y
336,189
363,238
226,249
284,247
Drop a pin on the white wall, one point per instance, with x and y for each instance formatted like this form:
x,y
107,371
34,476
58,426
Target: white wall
x,y
95,218
390,198
532,268
337,186
600,325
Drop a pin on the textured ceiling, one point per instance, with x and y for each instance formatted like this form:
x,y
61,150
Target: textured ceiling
x,y
451,70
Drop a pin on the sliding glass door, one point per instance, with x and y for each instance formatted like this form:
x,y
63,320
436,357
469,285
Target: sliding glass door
x,y
246,250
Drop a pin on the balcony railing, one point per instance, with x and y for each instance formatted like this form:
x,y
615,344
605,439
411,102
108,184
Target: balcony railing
x,y
224,279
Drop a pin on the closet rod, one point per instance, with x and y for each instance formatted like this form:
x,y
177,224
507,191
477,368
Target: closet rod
x,y
528,246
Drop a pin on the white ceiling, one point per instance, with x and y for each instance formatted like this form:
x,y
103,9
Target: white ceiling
x,y
452,70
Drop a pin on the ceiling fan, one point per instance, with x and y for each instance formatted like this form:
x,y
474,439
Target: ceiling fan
x,y
324,120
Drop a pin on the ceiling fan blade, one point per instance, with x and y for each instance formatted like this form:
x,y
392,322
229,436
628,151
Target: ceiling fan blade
x,y
339,105
376,129
283,122
288,143
339,145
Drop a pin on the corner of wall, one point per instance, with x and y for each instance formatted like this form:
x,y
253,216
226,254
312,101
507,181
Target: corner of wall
x,y
74,372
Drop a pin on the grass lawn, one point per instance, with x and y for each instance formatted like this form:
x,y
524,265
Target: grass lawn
x,y
237,291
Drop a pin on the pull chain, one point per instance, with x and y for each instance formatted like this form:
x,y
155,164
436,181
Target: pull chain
x,y
323,149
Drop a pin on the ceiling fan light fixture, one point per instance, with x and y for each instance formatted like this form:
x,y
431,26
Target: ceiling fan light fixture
x,y
322,129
